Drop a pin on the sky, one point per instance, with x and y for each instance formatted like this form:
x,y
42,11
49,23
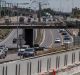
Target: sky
x,y
61,5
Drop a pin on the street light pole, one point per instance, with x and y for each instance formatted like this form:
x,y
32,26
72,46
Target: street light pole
x,y
39,15
72,4
5,8
60,6
17,26
0,8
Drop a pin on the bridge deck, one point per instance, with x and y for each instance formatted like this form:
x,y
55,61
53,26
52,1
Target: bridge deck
x,y
37,26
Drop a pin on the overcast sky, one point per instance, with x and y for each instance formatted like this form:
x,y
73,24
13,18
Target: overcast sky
x,y
63,5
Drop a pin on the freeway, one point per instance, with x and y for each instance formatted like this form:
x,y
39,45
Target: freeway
x,y
47,39
10,56
56,34
50,37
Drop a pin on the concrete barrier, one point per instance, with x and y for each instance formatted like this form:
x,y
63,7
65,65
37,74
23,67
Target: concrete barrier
x,y
43,64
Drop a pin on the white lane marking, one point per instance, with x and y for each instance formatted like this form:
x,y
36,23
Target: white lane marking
x,y
52,38
43,37
36,34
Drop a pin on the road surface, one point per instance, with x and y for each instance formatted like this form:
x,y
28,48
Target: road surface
x,y
47,38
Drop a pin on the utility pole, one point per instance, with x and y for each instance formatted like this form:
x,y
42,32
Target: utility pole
x,y
17,26
5,8
39,14
0,8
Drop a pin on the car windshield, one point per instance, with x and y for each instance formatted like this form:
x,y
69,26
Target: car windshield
x,y
0,50
1,47
30,50
57,38
67,38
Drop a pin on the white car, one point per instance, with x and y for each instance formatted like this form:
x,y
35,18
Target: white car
x,y
57,40
20,51
67,42
61,30
2,53
4,48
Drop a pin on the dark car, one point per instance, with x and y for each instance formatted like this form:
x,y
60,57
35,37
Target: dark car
x,y
7,20
29,52
21,19
61,30
20,52
66,38
64,33
39,48
29,20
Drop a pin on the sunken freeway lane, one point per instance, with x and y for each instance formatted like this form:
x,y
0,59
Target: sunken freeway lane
x,y
47,39
50,35
55,35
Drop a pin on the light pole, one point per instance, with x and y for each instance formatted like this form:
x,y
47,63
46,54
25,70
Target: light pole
x,y
5,8
72,4
39,15
60,6
17,26
0,8
74,38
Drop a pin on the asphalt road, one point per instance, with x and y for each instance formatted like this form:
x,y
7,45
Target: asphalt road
x,y
56,34
47,38
77,73
9,57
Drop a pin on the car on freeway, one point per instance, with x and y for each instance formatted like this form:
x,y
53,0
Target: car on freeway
x,y
7,20
29,20
20,51
44,19
5,49
67,42
39,48
29,52
57,40
21,20
3,52
66,38
61,30
64,33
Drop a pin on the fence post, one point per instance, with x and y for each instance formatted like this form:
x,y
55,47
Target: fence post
x,y
3,71
19,70
16,70
6,70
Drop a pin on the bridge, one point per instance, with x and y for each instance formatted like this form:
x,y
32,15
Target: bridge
x,y
40,25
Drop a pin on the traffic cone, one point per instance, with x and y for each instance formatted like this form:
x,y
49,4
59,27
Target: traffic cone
x,y
54,72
